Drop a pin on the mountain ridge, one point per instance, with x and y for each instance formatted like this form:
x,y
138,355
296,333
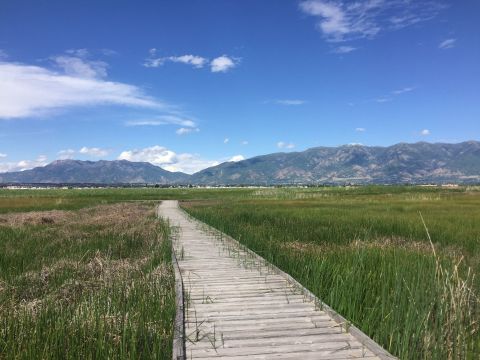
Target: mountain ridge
x,y
419,162
94,172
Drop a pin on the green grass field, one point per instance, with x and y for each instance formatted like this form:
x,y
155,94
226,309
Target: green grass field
x,y
366,252
78,281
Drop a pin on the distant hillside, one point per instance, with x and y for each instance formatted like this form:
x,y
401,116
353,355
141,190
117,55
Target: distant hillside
x,y
95,172
413,163
401,163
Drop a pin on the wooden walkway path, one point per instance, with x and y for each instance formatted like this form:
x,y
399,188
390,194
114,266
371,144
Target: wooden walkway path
x,y
237,306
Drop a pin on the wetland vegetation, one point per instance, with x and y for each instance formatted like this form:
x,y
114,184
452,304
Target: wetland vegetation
x,y
86,272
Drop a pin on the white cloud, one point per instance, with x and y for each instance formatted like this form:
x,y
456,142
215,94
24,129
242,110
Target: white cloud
x,y
447,44
168,159
219,64
184,131
223,64
237,158
94,151
66,154
3,156
290,102
343,20
78,67
425,132
244,142
167,119
360,129
284,145
33,90
193,60
344,49
226,140
21,165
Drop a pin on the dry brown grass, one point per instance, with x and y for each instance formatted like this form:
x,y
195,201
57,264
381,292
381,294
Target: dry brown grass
x,y
94,269
383,243
94,280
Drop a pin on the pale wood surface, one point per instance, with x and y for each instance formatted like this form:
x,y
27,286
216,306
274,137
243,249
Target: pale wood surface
x,y
237,307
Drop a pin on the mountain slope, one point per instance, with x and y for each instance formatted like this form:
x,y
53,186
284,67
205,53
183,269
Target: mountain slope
x,y
400,163
95,172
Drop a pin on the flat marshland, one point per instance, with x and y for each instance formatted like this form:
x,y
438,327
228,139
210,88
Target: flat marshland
x,y
90,283
366,252
86,273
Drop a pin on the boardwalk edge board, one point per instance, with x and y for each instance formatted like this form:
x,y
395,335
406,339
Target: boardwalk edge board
x,y
370,344
178,349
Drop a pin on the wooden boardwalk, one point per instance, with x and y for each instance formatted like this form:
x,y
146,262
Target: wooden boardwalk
x,y
237,306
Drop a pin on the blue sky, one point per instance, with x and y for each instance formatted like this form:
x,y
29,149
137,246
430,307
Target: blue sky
x,y
189,84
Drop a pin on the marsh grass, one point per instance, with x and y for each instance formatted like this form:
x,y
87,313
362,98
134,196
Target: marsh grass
x,y
76,282
409,285
92,283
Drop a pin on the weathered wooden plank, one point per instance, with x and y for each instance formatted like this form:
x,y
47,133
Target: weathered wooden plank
x,y
284,340
329,350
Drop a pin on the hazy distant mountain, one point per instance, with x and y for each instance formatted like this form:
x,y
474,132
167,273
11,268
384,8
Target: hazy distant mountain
x,y
417,163
99,172
402,163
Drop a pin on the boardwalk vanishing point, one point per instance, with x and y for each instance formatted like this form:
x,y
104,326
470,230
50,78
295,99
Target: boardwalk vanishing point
x,y
238,306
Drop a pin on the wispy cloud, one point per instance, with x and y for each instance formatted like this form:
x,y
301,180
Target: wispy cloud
x,y
360,129
344,49
185,131
82,53
403,90
244,142
168,159
66,154
80,67
193,60
393,94
383,99
447,44
425,132
344,20
219,64
22,165
94,151
85,151
226,140
289,102
3,54
28,91
285,145
167,119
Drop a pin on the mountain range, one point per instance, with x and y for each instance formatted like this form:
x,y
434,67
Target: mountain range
x,y
401,163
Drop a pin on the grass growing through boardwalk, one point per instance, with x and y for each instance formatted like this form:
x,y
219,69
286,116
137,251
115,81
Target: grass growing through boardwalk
x,y
91,283
366,253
